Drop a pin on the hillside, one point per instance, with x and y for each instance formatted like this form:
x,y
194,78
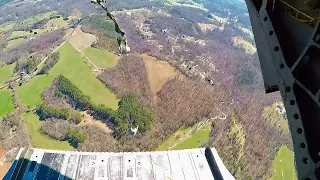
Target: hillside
x,y
192,79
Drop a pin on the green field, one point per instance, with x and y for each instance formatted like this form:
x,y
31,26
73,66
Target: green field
x,y
174,138
31,20
187,3
39,17
29,94
100,58
73,16
40,31
16,34
248,32
57,22
6,102
283,165
6,72
238,132
248,47
274,118
7,27
194,141
40,140
15,42
74,68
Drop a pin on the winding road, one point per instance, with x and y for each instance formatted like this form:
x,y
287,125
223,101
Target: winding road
x,y
221,116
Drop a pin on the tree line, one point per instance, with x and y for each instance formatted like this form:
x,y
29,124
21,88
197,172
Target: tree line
x,y
50,62
66,89
46,112
63,131
131,112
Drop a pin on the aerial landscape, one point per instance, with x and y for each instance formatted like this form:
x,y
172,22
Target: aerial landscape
x,y
192,79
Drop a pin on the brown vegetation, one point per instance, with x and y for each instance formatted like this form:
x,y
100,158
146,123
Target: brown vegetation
x,y
158,72
97,140
13,132
103,42
43,44
188,102
81,40
179,102
51,99
207,27
210,54
55,128
4,165
129,75
89,120
50,62
183,38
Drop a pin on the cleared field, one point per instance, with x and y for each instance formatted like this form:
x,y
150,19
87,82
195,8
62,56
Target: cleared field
x,y
219,19
6,72
100,58
74,15
29,94
283,165
28,34
39,17
40,140
15,42
232,150
7,27
274,118
88,120
186,3
74,68
158,72
206,27
16,34
174,138
57,23
245,45
240,136
40,31
248,32
193,141
6,102
81,40
68,34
